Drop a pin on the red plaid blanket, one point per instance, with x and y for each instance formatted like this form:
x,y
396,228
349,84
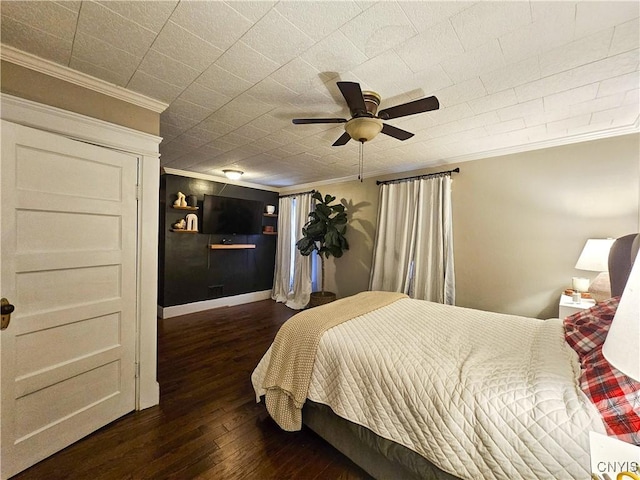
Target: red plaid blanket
x,y
616,396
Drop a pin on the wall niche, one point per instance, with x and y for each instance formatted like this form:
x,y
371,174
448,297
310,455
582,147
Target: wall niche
x,y
190,270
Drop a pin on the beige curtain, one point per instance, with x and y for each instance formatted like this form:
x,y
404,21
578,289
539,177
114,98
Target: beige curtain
x,y
413,250
292,275
282,271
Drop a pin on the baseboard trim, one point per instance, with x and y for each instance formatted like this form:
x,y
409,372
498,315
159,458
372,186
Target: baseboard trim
x,y
177,310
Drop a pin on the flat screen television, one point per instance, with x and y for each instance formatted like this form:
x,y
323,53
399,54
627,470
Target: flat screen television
x,y
231,216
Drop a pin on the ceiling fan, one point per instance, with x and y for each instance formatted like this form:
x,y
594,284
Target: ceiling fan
x,y
364,124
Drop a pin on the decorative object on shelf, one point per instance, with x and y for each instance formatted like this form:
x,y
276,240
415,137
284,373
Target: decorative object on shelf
x,y
181,201
271,209
594,258
268,229
192,222
180,224
233,174
192,201
324,234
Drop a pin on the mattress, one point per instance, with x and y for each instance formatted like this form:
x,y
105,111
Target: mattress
x,y
478,394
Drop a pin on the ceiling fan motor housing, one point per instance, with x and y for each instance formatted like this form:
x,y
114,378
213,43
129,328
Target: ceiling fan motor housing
x,y
371,102
364,126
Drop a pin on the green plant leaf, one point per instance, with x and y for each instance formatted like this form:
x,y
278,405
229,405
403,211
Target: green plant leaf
x,y
306,246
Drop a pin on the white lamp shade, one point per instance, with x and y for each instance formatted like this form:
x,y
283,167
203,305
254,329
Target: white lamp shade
x,y
595,255
621,348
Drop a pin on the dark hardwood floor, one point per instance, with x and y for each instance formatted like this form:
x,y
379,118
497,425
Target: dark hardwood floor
x,y
208,425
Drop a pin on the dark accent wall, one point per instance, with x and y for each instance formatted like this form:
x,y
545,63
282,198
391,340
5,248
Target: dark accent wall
x,y
189,271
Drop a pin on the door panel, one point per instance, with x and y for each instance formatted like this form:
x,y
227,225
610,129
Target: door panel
x,y
100,232
39,412
92,335
64,288
68,265
42,171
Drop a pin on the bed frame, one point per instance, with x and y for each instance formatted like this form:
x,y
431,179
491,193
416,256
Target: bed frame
x,y
379,457
387,460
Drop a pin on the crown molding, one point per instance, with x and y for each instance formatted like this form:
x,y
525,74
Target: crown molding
x,y
77,126
27,60
540,145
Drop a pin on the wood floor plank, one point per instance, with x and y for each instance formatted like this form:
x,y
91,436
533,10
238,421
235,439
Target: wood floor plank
x,y
208,424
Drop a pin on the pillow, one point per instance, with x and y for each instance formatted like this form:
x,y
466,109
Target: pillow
x,y
587,330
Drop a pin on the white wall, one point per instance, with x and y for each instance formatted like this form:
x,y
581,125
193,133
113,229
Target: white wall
x,y
520,222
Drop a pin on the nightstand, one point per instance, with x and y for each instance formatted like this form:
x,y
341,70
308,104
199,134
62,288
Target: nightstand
x,y
567,306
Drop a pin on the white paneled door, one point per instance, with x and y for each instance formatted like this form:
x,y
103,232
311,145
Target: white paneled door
x,y
69,267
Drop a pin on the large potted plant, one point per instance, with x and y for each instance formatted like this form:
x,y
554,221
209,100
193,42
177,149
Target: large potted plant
x,y
324,233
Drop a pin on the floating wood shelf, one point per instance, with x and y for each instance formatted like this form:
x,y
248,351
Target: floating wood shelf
x,y
183,230
270,214
184,208
269,233
235,246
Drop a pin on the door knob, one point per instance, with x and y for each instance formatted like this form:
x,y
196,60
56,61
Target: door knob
x,y
5,310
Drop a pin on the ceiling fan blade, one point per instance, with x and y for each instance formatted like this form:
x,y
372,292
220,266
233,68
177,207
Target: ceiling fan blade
x,y
353,95
396,132
344,138
301,121
410,108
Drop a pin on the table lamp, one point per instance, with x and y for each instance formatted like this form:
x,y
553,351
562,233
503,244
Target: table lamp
x,y
595,258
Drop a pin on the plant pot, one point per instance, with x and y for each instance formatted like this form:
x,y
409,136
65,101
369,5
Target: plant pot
x,y
320,298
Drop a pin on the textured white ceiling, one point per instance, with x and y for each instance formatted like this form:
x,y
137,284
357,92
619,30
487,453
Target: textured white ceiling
x,y
510,76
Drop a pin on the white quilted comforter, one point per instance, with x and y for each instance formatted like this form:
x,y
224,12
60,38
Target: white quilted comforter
x,y
479,394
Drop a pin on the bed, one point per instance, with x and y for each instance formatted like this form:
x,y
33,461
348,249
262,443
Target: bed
x,y
402,388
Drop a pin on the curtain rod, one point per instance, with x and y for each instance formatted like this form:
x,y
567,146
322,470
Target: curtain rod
x,y
299,193
426,175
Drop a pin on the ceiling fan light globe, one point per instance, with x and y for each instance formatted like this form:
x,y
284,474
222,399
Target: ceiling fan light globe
x,y
363,129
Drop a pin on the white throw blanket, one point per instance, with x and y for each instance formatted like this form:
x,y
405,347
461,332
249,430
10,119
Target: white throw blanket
x,y
481,395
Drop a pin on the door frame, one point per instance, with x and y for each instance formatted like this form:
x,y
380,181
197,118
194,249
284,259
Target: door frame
x,y
146,147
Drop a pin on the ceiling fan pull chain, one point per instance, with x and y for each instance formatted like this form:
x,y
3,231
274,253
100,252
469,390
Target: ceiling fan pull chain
x,y
361,163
